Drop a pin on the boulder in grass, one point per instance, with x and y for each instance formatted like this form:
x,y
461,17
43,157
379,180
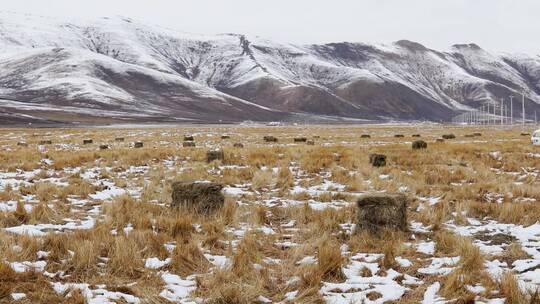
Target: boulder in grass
x,y
365,136
225,137
119,139
316,136
87,141
416,135
188,138
469,135
525,134
419,144
188,144
477,134
213,155
448,136
138,144
238,145
377,160
269,138
45,142
22,144
381,211
200,197
310,143
300,139
104,147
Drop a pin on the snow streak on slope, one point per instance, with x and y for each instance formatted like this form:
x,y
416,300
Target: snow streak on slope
x,y
117,64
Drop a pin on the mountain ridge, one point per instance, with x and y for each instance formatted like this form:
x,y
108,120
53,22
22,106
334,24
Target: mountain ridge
x,y
149,73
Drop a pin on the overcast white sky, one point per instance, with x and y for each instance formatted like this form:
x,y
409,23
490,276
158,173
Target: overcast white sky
x,y
499,25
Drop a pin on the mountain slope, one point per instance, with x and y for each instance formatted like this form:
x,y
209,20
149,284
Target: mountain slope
x,y
116,69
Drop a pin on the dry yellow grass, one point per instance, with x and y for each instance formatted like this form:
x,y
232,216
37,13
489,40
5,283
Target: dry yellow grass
x,y
296,201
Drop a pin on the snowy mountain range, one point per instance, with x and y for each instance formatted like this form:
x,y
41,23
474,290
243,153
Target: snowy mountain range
x,y
121,70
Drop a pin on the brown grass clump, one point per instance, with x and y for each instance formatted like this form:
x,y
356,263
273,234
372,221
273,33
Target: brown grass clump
x,y
56,245
262,179
285,178
510,289
42,213
180,227
7,274
310,282
246,254
228,214
188,259
84,261
446,242
20,213
317,160
469,271
222,288
125,258
230,294
389,241
330,261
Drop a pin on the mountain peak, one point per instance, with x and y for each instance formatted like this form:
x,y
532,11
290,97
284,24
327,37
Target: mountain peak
x,y
468,46
411,45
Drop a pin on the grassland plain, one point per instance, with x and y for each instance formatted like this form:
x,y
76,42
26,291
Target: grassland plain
x,y
83,224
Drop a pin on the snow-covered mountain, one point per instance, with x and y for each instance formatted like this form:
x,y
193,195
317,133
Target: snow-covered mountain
x,y
117,69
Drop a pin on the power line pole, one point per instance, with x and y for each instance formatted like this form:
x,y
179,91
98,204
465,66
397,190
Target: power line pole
x,y
481,118
488,114
511,109
502,106
523,108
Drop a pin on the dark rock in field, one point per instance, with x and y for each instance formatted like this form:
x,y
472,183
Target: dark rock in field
x,y
477,134
104,147
119,139
448,136
300,139
22,144
187,144
380,211
419,144
138,144
269,138
525,134
416,135
316,136
225,137
310,142
199,196
87,141
469,135
213,155
377,160
365,136
188,138
45,142
238,145
399,135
